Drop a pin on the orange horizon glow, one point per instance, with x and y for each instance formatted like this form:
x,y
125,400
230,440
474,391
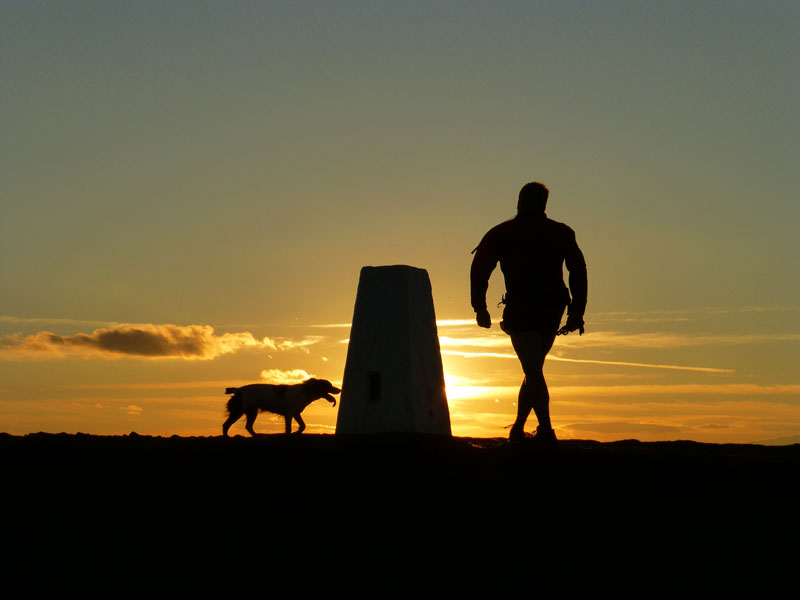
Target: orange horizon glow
x,y
481,388
189,194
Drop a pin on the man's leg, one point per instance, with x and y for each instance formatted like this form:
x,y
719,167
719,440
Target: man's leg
x,y
531,348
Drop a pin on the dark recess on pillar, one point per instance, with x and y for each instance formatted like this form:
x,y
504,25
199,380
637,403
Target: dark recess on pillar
x,y
374,385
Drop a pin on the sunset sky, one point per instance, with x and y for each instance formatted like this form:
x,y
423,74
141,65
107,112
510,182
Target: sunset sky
x,y
188,191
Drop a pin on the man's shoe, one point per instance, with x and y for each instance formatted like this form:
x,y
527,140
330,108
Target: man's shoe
x,y
545,436
517,434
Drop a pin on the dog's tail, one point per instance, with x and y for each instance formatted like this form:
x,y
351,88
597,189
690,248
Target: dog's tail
x,y
234,402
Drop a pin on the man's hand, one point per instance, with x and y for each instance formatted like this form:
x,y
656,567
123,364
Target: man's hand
x,y
483,318
573,324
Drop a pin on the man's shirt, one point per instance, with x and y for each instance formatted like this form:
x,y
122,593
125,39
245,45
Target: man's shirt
x,y
531,250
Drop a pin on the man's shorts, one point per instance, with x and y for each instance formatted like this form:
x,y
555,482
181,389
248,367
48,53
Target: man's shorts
x,y
518,318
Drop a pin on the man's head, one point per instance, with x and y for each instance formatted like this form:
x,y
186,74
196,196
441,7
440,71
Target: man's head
x,y
532,198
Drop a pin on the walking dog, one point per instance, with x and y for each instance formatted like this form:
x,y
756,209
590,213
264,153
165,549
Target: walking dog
x,y
285,400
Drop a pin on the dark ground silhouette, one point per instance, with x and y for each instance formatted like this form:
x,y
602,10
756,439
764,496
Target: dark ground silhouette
x,y
387,467
400,502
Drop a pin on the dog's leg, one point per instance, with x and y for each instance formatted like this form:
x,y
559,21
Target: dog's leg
x,y
288,419
251,413
300,422
234,416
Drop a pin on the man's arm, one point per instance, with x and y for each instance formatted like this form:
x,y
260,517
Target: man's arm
x,y
483,264
578,286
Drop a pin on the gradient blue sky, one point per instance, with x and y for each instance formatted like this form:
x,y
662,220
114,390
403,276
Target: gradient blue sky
x,y
234,164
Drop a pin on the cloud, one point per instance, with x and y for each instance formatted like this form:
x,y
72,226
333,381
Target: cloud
x,y
459,335
463,387
198,342
439,323
687,314
455,322
480,341
479,354
616,363
285,377
624,427
160,385
636,364
50,321
725,389
613,339
132,409
287,344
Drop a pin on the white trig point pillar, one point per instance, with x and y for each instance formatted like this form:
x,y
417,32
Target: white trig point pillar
x,y
393,378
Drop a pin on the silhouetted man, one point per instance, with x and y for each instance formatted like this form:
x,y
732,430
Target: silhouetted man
x,y
531,250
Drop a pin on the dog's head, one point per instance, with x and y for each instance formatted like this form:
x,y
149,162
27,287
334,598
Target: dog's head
x,y
322,388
